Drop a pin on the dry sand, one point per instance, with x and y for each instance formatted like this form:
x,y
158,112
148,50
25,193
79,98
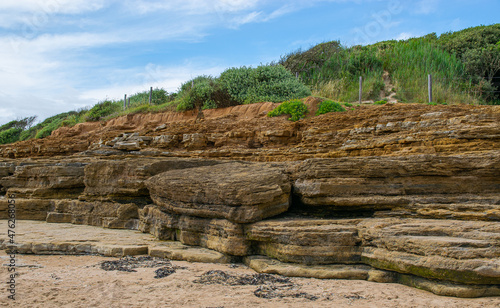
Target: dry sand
x,y
79,281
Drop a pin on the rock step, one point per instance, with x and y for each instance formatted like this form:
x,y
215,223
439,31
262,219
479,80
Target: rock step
x,y
363,272
35,237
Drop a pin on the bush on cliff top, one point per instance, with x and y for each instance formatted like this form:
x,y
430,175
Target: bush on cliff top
x,y
329,106
10,135
243,85
102,110
262,84
295,108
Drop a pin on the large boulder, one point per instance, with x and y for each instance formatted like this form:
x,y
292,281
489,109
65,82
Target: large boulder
x,y
123,180
239,192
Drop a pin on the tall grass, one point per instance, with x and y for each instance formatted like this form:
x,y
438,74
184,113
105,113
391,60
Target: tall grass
x,y
408,63
338,78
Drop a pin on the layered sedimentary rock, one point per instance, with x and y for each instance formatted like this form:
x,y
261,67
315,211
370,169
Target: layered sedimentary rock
x,y
465,252
428,186
406,194
218,234
124,180
35,185
115,191
307,241
102,214
239,192
33,209
245,133
46,180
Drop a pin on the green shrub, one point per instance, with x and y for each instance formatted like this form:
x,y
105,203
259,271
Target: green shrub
x,y
102,110
381,102
203,92
48,129
71,120
275,84
159,96
10,135
329,106
295,108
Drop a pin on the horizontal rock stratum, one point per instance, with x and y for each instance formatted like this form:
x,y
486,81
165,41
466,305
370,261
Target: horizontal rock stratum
x,y
394,194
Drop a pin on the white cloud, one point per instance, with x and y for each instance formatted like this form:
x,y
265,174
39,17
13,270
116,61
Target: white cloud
x,y
52,6
193,7
404,36
426,6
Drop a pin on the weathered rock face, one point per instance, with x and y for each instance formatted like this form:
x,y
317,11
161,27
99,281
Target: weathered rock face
x,y
238,192
459,252
245,133
307,241
34,186
400,193
428,186
45,181
124,180
102,214
6,169
33,209
217,234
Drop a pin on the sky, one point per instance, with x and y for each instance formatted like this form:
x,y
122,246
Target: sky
x,y
63,55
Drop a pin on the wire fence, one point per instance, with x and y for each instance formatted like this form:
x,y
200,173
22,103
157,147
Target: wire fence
x,y
479,88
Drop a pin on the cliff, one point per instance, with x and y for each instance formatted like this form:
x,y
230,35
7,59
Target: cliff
x,y
393,193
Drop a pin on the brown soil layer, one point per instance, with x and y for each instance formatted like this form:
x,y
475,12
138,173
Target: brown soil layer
x,y
245,132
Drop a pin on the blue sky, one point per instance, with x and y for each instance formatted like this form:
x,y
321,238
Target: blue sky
x,y
61,55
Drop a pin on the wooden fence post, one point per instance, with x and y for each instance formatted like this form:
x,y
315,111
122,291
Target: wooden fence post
x,y
150,95
430,88
360,89
125,102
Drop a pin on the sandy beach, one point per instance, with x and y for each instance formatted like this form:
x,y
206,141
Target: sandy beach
x,y
79,281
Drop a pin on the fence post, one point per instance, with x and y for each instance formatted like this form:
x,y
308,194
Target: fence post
x,y
125,102
128,104
430,88
150,95
360,89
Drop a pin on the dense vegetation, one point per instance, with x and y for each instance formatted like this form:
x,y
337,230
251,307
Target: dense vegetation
x,y
465,66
